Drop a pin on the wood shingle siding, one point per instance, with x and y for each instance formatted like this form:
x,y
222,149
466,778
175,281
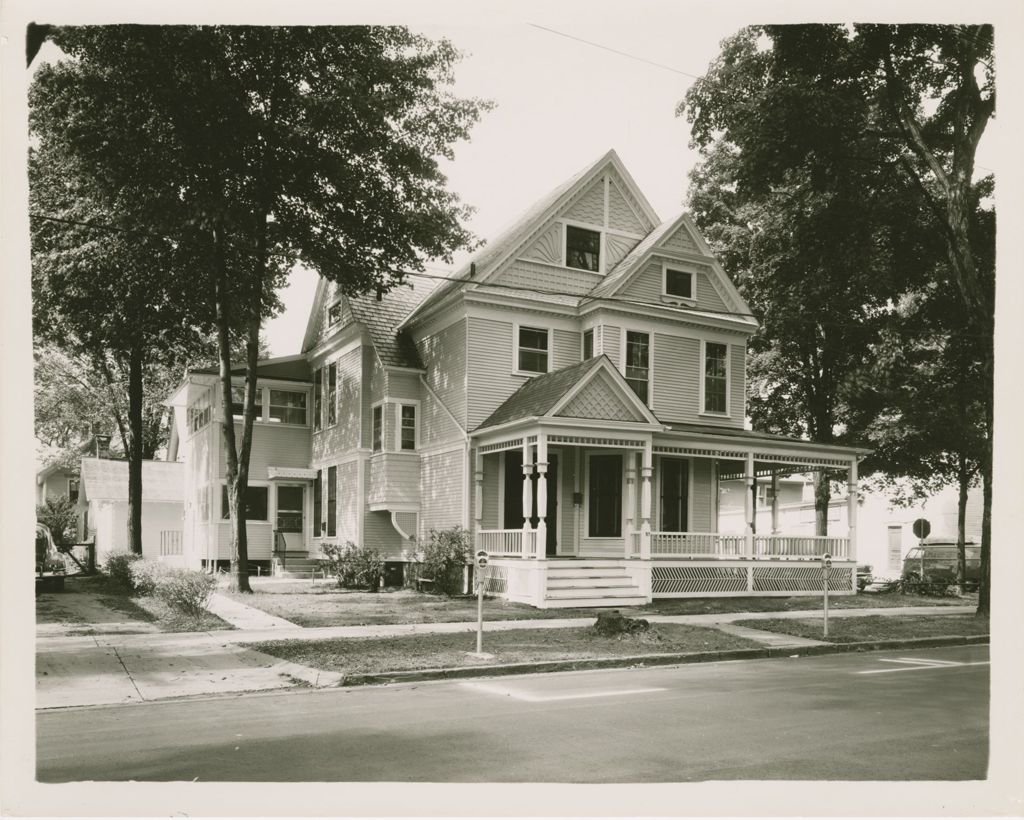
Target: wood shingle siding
x,y
621,215
522,273
681,241
590,206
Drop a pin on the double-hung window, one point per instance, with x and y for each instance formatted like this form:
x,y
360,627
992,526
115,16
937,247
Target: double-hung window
x,y
334,314
255,503
716,377
318,503
332,501
588,344
582,248
532,352
238,402
408,426
378,427
638,363
332,393
287,407
318,403
73,490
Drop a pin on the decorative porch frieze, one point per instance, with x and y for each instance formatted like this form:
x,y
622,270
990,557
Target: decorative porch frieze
x,y
598,441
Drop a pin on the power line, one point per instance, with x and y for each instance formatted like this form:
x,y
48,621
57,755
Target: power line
x,y
614,50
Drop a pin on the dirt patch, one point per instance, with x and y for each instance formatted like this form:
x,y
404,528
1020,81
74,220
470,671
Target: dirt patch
x,y
369,655
865,600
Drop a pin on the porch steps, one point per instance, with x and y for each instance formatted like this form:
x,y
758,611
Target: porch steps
x,y
590,584
295,567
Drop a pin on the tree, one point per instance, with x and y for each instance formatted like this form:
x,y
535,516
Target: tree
x,y
915,99
277,144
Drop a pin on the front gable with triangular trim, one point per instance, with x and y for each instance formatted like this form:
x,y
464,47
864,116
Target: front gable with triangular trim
x,y
603,394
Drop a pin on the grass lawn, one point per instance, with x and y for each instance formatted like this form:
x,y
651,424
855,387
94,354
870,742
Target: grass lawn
x,y
90,605
369,655
323,604
876,627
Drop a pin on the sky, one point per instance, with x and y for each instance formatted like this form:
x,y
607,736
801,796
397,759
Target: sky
x,y
560,103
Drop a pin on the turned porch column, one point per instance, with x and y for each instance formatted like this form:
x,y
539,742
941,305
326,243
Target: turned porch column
x,y
646,471
751,482
630,503
527,496
775,503
542,496
478,491
851,509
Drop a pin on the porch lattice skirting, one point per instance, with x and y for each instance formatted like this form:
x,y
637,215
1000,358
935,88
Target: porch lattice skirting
x,y
670,579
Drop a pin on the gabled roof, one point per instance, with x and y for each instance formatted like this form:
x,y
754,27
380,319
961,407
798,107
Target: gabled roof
x,y
394,347
107,480
519,231
634,262
546,394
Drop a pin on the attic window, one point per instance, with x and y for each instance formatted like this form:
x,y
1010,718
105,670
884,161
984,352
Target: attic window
x,y
679,283
582,248
334,314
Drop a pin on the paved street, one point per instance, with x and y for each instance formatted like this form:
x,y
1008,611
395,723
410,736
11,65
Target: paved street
x,y
903,715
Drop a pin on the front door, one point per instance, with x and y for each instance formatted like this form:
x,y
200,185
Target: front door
x,y
514,497
290,522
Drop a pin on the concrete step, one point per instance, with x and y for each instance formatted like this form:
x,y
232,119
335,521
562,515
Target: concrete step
x,y
595,602
617,590
603,583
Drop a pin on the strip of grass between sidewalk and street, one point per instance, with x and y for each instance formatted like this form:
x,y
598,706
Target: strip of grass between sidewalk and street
x,y
355,656
875,627
325,604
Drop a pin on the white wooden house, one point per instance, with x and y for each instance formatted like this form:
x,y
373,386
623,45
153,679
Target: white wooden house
x,y
574,397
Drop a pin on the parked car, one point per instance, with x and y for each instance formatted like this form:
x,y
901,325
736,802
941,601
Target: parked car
x,y
935,561
46,549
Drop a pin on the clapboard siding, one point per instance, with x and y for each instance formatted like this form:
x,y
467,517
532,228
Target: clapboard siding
x,y
444,355
436,425
441,490
611,339
400,385
648,286
490,367
567,348
738,377
394,479
676,366
373,391
492,501
259,535
344,435
379,534
273,444
348,503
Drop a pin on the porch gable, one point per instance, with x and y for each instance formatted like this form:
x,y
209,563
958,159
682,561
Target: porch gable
x,y
599,397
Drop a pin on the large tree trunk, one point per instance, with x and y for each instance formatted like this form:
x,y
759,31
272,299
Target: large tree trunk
x,y
986,512
963,484
134,445
822,496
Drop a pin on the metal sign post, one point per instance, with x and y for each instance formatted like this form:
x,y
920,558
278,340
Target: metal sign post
x,y
826,564
922,527
481,562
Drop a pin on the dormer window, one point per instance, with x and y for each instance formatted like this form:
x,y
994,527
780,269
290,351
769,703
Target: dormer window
x,y
334,314
679,284
582,248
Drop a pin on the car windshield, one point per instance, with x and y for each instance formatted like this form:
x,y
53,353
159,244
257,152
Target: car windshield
x,y
914,553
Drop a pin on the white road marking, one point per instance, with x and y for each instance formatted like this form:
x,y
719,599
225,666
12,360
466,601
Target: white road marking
x,y
917,664
506,691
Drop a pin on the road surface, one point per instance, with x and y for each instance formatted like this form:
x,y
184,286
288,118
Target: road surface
x,y
914,715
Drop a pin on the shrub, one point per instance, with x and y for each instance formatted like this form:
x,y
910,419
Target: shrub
x,y
354,567
118,568
60,515
444,559
145,575
186,590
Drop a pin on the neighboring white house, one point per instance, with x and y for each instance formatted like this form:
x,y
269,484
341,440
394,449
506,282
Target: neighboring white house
x,y
104,498
884,530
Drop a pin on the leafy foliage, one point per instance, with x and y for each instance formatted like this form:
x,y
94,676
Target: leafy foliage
x,y
354,567
186,590
118,567
444,558
146,575
60,515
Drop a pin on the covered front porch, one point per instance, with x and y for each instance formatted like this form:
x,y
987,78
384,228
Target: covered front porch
x,y
573,513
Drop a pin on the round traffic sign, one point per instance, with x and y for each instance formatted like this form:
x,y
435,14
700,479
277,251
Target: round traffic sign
x,y
922,528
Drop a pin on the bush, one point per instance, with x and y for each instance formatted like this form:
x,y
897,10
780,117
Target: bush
x,y
118,566
60,515
145,575
354,567
444,558
186,590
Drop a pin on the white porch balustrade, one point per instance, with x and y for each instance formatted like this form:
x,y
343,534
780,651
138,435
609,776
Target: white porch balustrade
x,y
720,545
801,546
507,543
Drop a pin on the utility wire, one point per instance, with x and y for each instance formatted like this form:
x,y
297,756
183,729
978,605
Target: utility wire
x,y
614,50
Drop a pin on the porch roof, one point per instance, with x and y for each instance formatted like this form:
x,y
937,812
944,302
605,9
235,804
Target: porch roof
x,y
540,394
755,437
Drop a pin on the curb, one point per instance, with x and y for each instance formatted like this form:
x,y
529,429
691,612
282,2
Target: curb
x,y
668,659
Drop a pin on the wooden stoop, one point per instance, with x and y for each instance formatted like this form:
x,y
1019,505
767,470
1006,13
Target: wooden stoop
x,y
590,583
296,564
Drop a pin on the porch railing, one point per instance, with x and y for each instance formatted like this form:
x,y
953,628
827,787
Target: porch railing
x,y
670,544
722,545
507,543
801,546
170,542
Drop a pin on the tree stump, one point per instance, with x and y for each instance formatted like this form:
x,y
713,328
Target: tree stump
x,y
615,623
